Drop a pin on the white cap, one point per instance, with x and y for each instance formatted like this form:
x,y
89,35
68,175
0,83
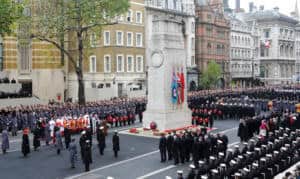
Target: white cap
x,y
223,165
214,171
270,143
285,135
220,142
168,177
109,177
179,172
221,154
263,146
236,146
237,174
201,162
204,177
101,128
192,166
245,143
240,157
83,132
269,155
233,161
246,169
249,153
276,152
255,164
252,140
212,158
263,159
257,149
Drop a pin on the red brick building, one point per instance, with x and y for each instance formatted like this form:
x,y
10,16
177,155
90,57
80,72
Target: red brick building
x,y
212,37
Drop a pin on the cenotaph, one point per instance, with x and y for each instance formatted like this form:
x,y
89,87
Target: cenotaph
x,y
166,54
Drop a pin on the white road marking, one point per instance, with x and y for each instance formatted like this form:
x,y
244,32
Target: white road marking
x,y
229,130
156,172
113,164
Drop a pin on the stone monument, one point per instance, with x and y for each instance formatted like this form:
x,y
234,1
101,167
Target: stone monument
x,y
166,52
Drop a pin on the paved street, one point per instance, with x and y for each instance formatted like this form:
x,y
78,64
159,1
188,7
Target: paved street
x,y
139,158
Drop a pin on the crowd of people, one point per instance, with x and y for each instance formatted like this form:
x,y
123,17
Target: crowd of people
x,y
116,112
198,144
85,143
263,156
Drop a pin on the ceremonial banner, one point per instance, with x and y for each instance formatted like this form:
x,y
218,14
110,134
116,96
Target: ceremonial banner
x,y
174,87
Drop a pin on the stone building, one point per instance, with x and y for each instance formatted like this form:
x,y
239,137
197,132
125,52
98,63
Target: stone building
x,y
244,48
115,62
34,64
212,37
277,45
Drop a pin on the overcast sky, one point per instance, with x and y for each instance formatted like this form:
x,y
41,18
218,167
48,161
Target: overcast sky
x,y
285,6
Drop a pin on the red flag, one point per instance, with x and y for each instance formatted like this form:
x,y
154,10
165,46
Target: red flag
x,y
182,85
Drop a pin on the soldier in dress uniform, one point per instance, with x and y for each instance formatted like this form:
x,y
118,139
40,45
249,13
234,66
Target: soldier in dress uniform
x,y
170,141
163,148
87,155
180,174
101,140
192,173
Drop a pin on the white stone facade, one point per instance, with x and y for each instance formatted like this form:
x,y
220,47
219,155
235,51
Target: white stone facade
x,y
244,46
277,60
166,43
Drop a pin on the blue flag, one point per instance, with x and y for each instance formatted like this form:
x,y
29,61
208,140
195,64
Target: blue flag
x,y
174,87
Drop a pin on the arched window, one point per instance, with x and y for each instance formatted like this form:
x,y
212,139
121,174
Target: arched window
x,y
281,51
286,51
291,51
209,48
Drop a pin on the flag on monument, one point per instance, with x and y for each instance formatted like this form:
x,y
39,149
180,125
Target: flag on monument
x,y
179,88
182,85
174,89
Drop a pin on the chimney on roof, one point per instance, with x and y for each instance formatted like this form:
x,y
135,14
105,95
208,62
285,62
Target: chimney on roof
x,y
261,7
251,6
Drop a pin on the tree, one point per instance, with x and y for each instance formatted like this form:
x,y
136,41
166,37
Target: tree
x,y
57,21
211,75
10,12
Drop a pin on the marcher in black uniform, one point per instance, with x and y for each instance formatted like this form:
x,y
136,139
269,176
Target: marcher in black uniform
x,y
163,148
170,141
87,155
175,150
36,138
116,144
25,143
101,140
82,140
67,135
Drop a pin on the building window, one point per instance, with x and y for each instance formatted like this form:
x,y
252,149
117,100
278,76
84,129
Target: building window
x,y
106,38
209,31
119,38
139,17
120,63
100,85
267,33
129,16
193,43
139,63
193,63
93,64
130,64
93,85
120,17
129,39
107,64
107,85
93,40
209,50
139,40
193,27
